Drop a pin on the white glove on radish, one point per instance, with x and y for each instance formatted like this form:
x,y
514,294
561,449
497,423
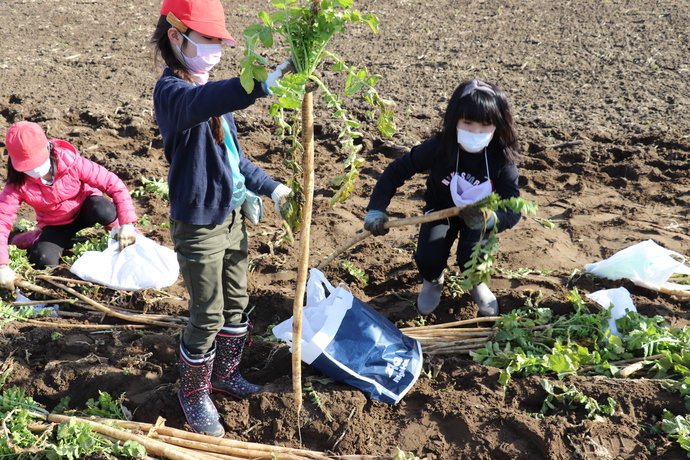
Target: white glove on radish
x,y
8,277
126,236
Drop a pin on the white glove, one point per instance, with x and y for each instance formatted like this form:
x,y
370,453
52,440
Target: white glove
x,y
126,236
8,277
280,198
282,69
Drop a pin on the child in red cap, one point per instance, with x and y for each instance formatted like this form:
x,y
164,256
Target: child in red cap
x,y
209,181
64,189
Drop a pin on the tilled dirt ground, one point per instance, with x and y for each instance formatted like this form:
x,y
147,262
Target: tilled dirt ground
x,y
612,74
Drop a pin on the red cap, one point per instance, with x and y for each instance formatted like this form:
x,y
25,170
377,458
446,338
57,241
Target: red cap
x,y
204,16
27,145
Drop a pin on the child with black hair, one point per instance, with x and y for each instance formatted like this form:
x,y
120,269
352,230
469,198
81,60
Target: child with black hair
x,y
209,180
474,155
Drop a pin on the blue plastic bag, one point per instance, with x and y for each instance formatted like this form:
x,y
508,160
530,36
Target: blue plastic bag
x,y
352,343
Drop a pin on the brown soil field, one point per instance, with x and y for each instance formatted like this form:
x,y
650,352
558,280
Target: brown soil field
x,y
612,74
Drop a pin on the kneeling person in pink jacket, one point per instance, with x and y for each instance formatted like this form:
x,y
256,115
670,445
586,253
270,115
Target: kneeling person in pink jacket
x,y
66,191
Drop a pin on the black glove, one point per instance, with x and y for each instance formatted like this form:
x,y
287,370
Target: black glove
x,y
374,221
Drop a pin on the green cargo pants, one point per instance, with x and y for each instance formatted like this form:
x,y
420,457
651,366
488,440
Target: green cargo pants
x,y
213,262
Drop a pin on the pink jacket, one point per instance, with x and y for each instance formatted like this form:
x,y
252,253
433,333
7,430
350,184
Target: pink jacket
x,y
76,179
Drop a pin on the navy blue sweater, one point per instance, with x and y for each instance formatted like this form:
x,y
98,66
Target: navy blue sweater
x,y
424,157
200,178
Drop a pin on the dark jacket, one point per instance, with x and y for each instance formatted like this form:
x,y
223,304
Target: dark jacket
x,y
424,157
200,178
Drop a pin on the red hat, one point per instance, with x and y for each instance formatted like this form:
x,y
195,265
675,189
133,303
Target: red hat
x,y
204,16
27,145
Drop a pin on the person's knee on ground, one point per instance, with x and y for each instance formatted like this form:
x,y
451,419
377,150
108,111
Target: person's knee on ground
x,y
97,210
44,253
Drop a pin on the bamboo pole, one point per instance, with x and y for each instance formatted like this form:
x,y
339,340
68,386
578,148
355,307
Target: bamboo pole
x,y
431,217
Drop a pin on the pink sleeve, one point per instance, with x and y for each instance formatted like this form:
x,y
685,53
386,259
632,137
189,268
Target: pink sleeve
x,y
97,176
9,204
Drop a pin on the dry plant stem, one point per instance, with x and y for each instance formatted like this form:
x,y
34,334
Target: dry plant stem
x,y
85,326
431,217
44,302
303,267
153,430
152,446
108,311
448,334
450,351
453,324
64,280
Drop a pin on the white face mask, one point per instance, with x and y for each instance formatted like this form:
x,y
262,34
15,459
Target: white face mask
x,y
473,142
207,56
40,171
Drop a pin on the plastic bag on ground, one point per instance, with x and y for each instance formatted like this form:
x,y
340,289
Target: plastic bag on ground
x,y
145,264
646,264
351,342
618,300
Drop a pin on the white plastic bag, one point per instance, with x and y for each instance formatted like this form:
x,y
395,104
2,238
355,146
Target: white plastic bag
x,y
618,300
646,264
145,264
351,342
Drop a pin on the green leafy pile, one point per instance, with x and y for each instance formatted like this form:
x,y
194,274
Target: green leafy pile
x,y
71,440
573,398
155,186
95,243
534,341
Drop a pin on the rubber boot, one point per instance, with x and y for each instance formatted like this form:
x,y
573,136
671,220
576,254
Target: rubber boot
x,y
195,390
430,296
485,299
226,378
26,240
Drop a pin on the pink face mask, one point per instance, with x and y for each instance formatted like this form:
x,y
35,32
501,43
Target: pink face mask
x,y
207,56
